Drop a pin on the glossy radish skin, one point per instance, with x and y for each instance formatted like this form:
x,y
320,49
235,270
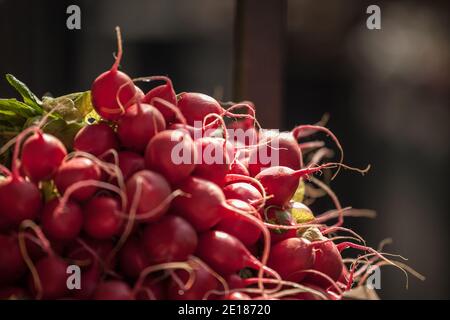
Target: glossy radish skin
x,y
328,261
75,170
171,153
96,139
130,163
102,218
42,154
204,282
215,156
289,153
138,125
202,209
290,256
167,93
243,191
236,225
20,200
170,239
133,258
62,223
237,167
224,253
12,265
154,190
53,275
195,106
113,290
237,296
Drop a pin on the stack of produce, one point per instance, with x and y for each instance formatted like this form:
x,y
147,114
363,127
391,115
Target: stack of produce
x,y
150,196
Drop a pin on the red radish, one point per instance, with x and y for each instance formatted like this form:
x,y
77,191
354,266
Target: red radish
x,y
235,281
225,253
90,277
113,91
75,170
42,154
204,282
173,154
237,167
13,293
290,257
130,163
92,250
165,92
282,146
279,216
152,290
20,200
133,258
62,223
154,190
243,191
328,261
202,206
113,290
52,273
102,218
236,225
195,106
170,239
138,125
12,265
96,139
237,296
214,159
194,132
282,182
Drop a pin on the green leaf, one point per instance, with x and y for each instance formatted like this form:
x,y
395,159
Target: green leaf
x,y
71,107
63,131
18,108
28,96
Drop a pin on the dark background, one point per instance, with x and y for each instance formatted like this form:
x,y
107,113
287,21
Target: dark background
x,y
386,91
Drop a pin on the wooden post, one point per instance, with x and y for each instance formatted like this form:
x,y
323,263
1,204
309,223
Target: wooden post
x,y
259,57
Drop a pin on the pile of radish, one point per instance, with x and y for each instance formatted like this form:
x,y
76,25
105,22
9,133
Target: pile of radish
x,y
135,202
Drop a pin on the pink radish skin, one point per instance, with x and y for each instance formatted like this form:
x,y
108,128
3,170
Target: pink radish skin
x,y
133,258
75,170
113,91
165,92
53,277
170,239
138,126
154,190
225,253
243,191
12,265
237,167
195,106
328,261
162,150
203,207
236,225
42,154
291,256
62,223
20,200
102,217
113,290
96,139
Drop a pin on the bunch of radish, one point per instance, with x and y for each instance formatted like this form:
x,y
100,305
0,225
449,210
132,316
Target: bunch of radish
x,y
150,205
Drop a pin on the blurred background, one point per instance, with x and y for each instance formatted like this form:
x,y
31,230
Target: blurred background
x,y
387,91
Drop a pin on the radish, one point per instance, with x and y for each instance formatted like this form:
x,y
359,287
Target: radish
x,y
75,170
171,153
64,223
138,125
195,106
236,225
237,296
328,261
96,139
283,146
170,239
194,132
152,290
13,293
150,190
113,91
113,290
225,253
279,216
101,217
12,265
90,277
202,206
133,258
290,257
243,191
130,163
237,167
42,154
165,92
52,274
203,282
92,250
